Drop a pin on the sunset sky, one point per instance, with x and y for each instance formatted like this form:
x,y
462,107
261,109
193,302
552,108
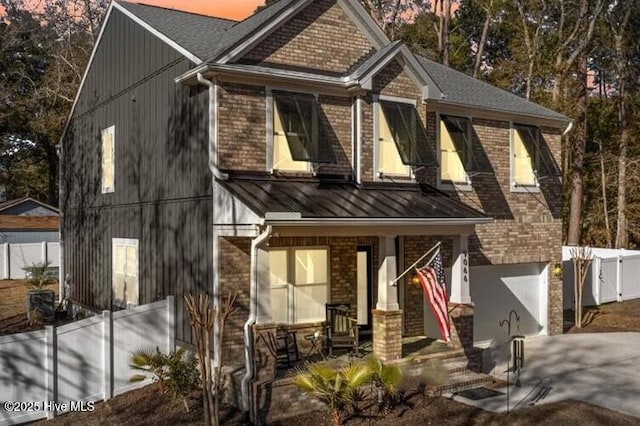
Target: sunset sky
x,y
235,9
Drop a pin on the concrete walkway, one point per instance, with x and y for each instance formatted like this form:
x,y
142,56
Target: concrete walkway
x,y
598,368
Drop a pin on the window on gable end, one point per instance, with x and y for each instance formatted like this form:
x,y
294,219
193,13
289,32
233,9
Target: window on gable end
x,y
399,122
299,135
108,159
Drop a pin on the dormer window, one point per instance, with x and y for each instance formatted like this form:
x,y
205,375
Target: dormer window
x,y
299,136
401,139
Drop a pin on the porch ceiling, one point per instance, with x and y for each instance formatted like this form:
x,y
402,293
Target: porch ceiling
x,y
291,202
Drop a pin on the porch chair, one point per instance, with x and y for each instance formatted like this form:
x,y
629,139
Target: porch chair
x,y
342,330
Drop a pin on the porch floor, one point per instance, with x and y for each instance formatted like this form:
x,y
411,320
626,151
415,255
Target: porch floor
x,y
420,347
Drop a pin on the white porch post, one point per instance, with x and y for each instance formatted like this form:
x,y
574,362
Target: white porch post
x,y
387,317
387,293
460,271
264,287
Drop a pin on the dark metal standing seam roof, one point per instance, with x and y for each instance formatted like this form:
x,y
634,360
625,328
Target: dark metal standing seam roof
x,y
320,200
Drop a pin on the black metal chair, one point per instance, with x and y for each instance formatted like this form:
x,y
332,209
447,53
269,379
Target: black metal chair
x,y
342,330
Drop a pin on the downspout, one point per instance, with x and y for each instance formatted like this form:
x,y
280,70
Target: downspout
x,y
217,174
213,127
253,312
61,270
568,129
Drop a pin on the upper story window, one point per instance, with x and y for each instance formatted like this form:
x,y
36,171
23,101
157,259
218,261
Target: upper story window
x,y
299,280
401,139
525,155
299,136
455,149
108,159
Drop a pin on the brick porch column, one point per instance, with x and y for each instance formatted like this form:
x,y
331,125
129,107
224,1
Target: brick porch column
x,y
461,325
387,317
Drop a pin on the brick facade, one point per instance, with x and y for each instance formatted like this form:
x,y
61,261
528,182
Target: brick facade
x,y
527,226
315,39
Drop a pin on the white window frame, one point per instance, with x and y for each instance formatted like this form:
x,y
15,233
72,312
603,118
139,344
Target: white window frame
x,y
291,286
512,183
126,242
409,177
270,107
446,185
111,130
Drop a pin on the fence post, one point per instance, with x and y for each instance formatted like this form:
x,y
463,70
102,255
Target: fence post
x,y
107,355
596,279
51,370
44,252
171,323
619,269
6,261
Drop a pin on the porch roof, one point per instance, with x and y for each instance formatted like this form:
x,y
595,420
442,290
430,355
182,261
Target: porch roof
x,y
278,199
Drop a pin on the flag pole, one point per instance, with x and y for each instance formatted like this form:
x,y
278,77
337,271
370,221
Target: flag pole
x,y
436,246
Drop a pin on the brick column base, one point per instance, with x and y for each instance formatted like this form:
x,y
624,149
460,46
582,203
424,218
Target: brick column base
x,y
461,325
264,360
387,334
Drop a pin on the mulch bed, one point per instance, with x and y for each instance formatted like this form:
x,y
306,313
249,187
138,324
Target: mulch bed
x,y
610,317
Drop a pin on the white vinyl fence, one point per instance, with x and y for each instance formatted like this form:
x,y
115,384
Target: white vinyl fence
x,y
614,276
84,361
15,257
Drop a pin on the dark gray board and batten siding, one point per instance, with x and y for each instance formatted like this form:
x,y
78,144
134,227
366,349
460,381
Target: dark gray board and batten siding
x,y
162,182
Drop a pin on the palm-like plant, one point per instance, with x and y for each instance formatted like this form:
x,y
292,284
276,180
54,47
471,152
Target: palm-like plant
x,y
386,378
151,362
334,387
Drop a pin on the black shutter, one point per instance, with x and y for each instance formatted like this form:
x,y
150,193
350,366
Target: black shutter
x,y
409,134
303,127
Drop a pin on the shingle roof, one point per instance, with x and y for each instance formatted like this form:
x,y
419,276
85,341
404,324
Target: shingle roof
x,y
17,201
460,88
199,34
315,199
208,38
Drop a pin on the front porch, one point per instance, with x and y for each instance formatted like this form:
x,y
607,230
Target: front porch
x,y
394,324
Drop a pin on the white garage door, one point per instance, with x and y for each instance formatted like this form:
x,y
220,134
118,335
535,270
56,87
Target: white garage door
x,y
498,289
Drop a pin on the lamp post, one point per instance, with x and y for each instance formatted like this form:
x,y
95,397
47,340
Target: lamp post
x,y
517,350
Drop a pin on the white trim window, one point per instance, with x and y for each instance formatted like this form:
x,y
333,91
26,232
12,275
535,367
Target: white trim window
x,y
125,269
454,144
299,279
299,137
400,138
525,156
108,159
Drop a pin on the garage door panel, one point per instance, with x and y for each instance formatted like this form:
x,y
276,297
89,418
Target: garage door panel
x,y
496,290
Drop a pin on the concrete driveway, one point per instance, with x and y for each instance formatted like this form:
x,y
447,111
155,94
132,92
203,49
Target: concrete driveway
x,y
598,368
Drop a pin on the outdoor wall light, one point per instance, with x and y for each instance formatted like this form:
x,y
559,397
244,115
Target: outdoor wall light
x,y
557,270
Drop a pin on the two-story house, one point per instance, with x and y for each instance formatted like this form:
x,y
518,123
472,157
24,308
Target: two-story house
x,y
299,157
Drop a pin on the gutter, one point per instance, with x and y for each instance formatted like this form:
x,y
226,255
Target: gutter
x,y
256,243
280,221
213,127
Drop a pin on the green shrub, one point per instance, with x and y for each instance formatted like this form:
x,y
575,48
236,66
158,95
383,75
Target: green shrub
x,y
173,373
39,275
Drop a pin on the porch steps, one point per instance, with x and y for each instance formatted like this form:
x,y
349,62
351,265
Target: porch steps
x,y
463,372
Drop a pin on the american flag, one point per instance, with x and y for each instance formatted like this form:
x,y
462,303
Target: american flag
x,y
433,284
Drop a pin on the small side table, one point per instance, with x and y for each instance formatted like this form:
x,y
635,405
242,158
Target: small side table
x,y
317,343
